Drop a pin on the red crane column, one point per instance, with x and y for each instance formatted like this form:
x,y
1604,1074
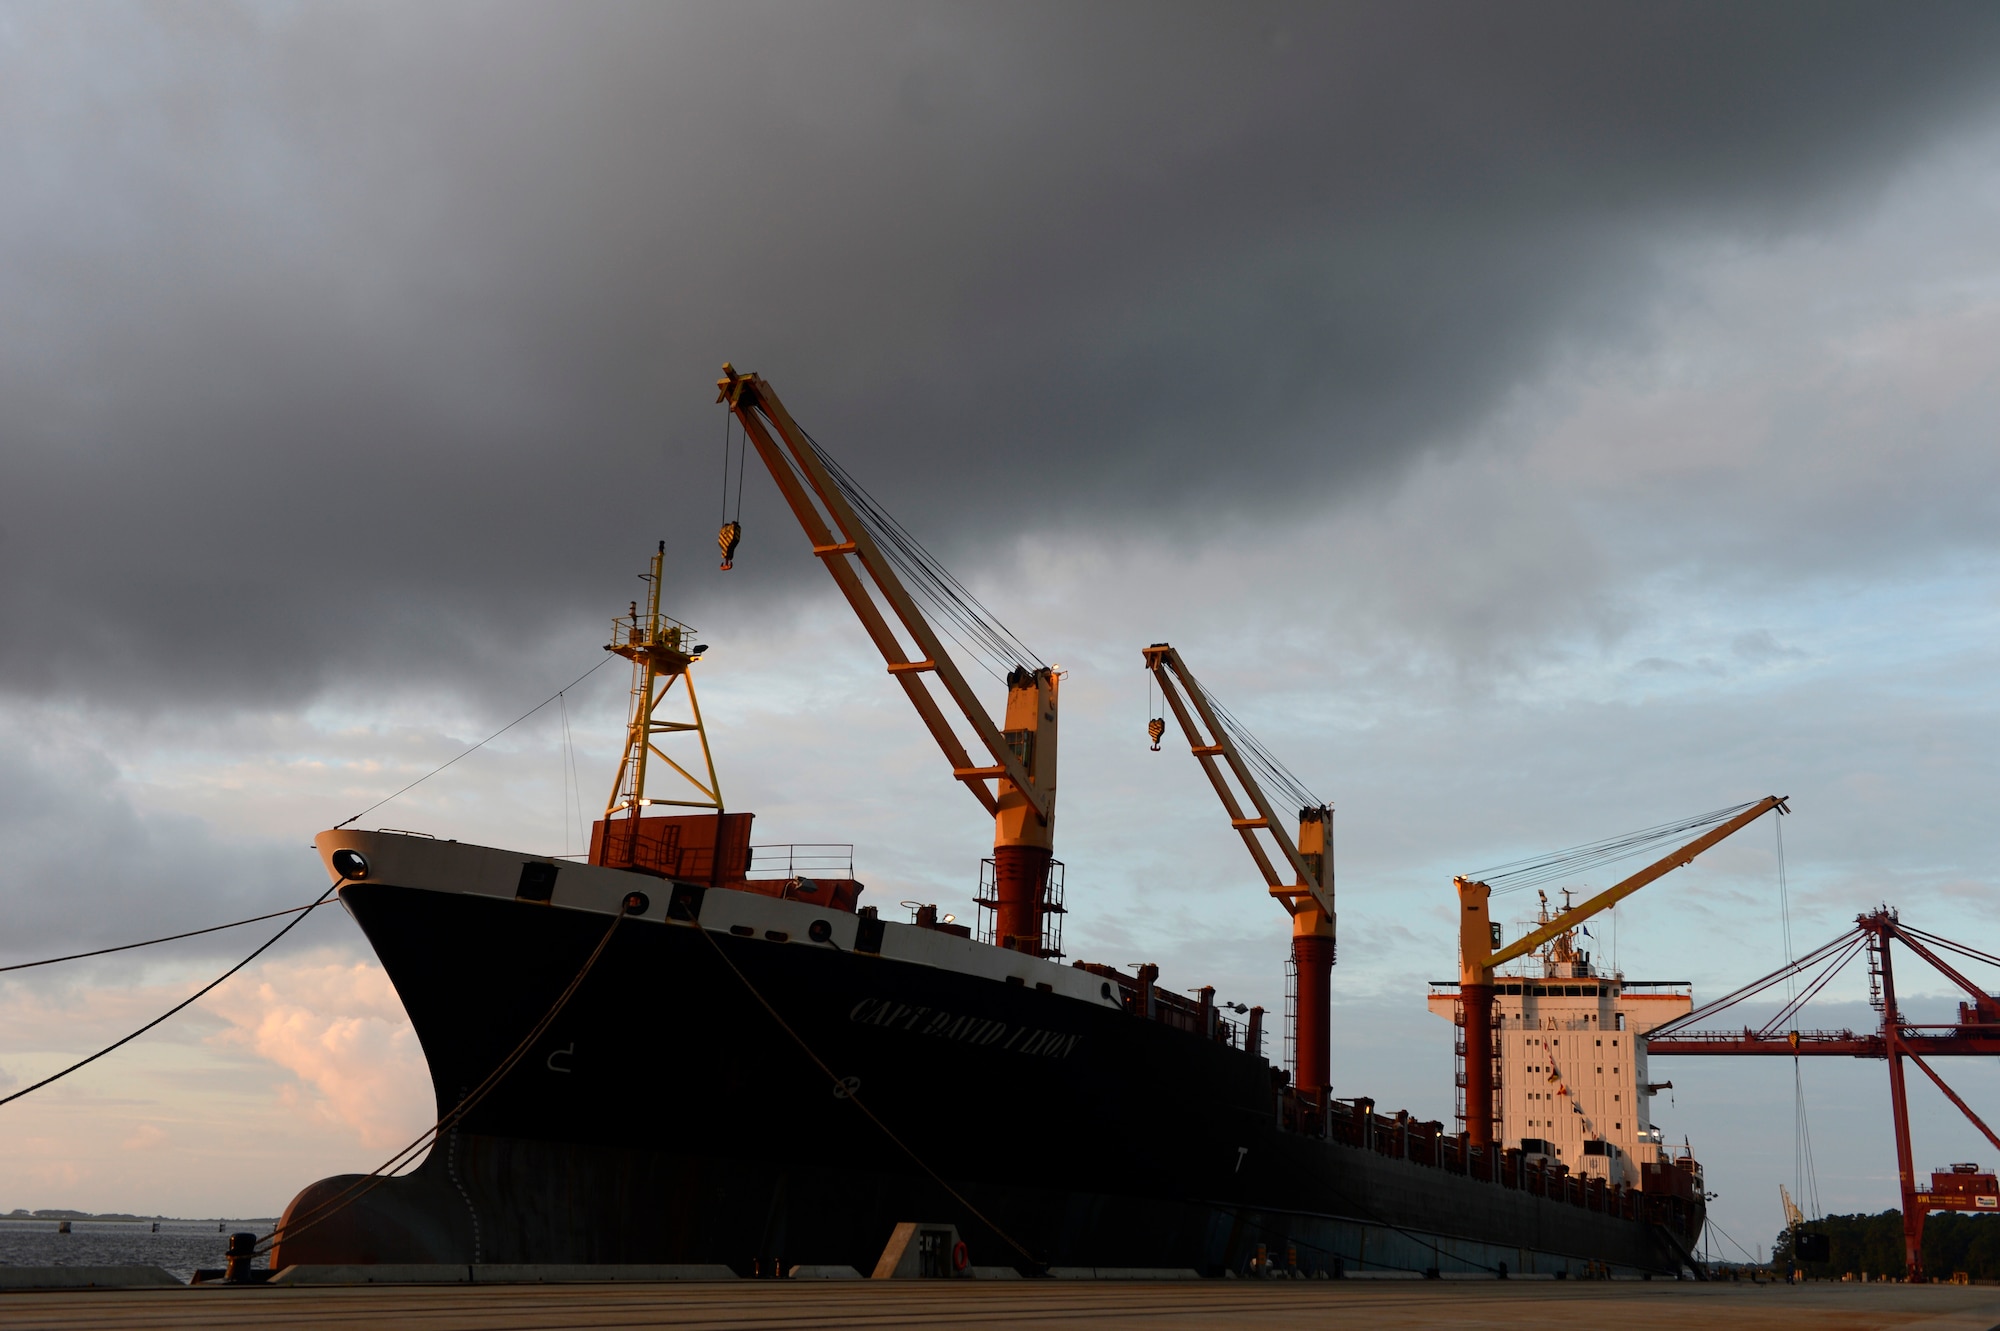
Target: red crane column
x,y
1477,1000
1475,996
1899,1102
1312,953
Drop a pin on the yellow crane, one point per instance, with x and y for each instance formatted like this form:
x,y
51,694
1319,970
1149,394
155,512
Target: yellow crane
x,y
1479,957
1021,751
1308,895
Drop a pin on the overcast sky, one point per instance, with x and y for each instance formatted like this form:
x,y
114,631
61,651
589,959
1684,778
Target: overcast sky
x,y
1537,422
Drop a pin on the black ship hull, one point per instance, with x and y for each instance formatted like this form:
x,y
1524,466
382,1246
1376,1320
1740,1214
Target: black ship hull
x,y
670,1116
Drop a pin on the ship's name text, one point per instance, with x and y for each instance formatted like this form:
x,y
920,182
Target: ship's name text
x,y
982,1031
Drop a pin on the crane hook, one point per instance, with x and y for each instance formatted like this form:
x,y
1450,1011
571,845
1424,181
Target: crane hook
x,y
1156,728
726,539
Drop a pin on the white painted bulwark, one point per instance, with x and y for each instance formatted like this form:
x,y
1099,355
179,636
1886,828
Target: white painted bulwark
x,y
405,860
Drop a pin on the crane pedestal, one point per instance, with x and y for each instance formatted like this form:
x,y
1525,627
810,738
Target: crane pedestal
x,y
1312,953
1020,886
1477,1003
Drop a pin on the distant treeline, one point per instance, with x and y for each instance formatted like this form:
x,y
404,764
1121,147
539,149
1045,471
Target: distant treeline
x,y
18,1213
1872,1245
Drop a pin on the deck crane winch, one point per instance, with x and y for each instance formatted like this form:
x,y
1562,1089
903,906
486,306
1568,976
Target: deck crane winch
x,y
1479,956
1308,897
1022,769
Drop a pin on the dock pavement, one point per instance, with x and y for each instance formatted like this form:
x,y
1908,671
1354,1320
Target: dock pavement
x,y
1044,1305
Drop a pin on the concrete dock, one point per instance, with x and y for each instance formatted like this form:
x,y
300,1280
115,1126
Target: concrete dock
x,y
1046,1305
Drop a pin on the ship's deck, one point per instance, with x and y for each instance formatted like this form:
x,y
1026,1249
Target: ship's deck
x,y
1046,1305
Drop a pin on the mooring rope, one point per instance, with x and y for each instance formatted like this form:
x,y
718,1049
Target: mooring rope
x,y
381,1174
192,933
289,926
848,1092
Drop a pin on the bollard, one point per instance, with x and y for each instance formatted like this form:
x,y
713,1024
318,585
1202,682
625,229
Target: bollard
x,y
242,1251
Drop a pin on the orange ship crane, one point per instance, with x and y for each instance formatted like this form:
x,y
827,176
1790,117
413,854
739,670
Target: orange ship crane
x,y
1308,895
862,548
1479,956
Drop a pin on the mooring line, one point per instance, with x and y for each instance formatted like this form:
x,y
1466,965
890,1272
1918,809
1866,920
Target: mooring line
x,y
192,933
851,1094
368,1182
289,926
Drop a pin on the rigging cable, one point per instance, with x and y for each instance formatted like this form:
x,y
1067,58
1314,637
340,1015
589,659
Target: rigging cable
x,y
475,748
928,579
1805,1178
1536,870
1973,954
289,926
730,534
572,783
1275,774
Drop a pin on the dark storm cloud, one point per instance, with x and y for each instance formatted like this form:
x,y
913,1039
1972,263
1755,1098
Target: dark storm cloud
x,y
343,339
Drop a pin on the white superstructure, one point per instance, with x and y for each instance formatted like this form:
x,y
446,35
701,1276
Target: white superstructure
x,y
1571,1080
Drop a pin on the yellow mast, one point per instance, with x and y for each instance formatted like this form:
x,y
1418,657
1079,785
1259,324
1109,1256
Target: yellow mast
x,y
661,650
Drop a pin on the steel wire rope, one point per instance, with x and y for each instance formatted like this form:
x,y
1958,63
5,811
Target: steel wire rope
x,y
116,1044
1971,953
475,748
573,784
1804,1176
742,457
852,1095
727,416
1851,942
368,1182
1754,1259
1536,870
1819,982
1275,773
977,656
168,938
930,580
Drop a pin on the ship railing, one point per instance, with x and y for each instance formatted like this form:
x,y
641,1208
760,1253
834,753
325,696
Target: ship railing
x,y
802,859
1143,997
1354,1123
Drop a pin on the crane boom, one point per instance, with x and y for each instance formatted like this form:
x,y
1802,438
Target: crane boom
x,y
1174,677
1477,956
1308,898
1022,766
1477,952
753,402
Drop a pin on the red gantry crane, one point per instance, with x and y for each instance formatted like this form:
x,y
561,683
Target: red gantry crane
x,y
1222,746
864,548
1976,1032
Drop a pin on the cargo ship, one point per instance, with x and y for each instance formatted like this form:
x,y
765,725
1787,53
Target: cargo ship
x,y
686,1050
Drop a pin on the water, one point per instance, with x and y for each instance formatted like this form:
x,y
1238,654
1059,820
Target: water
x,y
179,1247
